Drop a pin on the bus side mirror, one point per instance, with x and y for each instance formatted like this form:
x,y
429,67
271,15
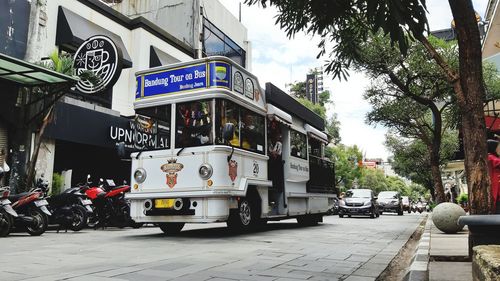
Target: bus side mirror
x,y
228,132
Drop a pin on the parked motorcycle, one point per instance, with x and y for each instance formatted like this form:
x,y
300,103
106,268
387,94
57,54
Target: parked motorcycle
x,y
69,209
110,206
32,211
7,214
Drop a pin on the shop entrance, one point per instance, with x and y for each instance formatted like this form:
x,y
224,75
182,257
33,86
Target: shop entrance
x,y
99,162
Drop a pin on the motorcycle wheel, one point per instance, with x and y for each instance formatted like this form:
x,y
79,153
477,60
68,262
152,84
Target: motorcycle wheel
x,y
5,224
40,222
79,219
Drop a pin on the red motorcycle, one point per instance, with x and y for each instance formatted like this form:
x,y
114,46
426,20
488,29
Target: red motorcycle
x,y
110,206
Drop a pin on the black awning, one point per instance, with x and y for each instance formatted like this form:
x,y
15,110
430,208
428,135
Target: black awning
x,y
282,100
159,58
73,30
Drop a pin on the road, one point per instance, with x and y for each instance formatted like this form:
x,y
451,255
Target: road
x,y
338,249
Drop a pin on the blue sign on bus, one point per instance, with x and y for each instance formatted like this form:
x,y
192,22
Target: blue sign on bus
x,y
220,75
175,80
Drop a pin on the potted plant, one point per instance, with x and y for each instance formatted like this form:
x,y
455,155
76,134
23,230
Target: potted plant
x,y
463,200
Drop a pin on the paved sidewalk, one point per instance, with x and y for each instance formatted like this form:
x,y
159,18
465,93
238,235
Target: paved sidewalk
x,y
348,249
449,255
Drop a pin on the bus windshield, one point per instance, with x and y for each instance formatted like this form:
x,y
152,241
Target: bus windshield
x,y
193,124
152,128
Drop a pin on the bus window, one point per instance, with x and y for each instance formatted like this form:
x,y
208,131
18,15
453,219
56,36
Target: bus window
x,y
252,131
193,124
298,144
228,112
152,127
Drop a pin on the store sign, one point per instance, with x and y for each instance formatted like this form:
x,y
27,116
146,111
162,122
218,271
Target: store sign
x,y
99,55
175,80
143,133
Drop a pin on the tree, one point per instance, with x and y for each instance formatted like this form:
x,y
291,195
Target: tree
x,y
373,179
411,159
298,89
332,125
62,64
346,160
345,24
410,94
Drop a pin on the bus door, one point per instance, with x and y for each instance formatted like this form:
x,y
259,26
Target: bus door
x,y
276,134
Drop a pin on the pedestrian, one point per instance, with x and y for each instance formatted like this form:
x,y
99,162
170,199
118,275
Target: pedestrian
x,y
494,171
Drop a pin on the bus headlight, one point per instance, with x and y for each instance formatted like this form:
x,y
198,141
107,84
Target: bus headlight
x,y
205,171
140,175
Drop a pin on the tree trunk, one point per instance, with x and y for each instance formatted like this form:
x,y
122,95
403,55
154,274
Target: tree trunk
x,y
471,105
437,181
38,142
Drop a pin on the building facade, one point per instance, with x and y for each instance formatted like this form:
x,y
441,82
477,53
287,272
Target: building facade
x,y
92,124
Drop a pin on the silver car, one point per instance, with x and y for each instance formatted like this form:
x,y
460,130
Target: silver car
x,y
358,202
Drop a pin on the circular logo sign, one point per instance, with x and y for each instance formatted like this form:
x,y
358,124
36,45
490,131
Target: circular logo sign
x,y
99,55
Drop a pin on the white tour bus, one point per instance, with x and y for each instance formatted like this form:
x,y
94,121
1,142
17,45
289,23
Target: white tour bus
x,y
215,147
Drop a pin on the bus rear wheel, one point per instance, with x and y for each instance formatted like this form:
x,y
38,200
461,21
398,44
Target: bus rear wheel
x,y
245,217
171,228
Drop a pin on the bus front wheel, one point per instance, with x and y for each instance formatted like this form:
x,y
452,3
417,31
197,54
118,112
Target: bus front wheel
x,y
171,228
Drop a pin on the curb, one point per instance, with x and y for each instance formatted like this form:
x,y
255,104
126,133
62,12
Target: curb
x,y
419,269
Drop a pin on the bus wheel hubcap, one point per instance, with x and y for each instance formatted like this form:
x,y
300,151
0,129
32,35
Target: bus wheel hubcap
x,y
245,214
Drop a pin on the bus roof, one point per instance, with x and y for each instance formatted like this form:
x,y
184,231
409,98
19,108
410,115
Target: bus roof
x,y
210,76
282,100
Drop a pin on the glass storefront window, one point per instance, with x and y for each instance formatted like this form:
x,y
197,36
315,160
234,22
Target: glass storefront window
x,y
298,144
152,127
216,43
193,124
252,131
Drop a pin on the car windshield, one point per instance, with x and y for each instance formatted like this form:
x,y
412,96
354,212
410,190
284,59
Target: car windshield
x,y
358,193
388,195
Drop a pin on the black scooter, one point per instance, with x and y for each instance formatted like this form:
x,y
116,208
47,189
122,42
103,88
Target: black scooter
x,y
7,213
70,209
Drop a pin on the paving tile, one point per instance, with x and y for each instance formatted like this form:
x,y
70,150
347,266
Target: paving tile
x,y
359,278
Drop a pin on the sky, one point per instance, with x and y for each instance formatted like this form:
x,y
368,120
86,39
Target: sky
x,y
280,60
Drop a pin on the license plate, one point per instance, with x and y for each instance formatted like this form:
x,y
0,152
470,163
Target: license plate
x,y
164,203
5,202
86,202
39,203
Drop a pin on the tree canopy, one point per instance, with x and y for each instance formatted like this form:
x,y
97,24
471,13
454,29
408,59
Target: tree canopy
x,y
348,23
343,24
